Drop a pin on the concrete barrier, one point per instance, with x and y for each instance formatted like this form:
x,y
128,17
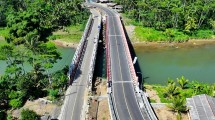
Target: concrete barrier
x,y
78,53
76,62
93,57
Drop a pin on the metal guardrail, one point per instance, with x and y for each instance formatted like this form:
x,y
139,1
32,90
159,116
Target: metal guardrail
x,y
148,106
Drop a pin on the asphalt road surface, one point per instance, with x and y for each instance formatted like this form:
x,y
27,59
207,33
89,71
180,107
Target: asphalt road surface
x,y
124,99
75,96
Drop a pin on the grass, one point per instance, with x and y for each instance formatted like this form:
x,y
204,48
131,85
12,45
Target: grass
x,y
152,100
70,34
160,90
150,34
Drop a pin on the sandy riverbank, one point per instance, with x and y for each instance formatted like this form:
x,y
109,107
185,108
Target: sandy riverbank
x,y
189,43
65,44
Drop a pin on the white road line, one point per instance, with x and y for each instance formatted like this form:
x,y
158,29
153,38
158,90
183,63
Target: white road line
x,y
130,75
113,89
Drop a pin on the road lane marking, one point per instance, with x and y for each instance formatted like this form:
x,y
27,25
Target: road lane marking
x,y
130,73
121,72
113,89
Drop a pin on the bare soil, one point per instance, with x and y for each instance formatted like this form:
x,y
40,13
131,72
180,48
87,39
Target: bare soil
x,y
152,93
165,113
99,108
65,44
40,107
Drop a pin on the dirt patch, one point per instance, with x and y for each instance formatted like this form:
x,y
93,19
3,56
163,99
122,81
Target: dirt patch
x,y
65,44
39,106
130,31
1,38
93,109
164,113
98,108
152,94
103,110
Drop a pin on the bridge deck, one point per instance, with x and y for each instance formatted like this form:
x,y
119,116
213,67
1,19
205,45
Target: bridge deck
x,y
75,94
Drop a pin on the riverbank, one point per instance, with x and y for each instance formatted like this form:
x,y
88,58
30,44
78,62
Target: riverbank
x,y
189,43
65,44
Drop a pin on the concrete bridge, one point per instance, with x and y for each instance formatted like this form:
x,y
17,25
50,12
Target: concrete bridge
x,y
126,100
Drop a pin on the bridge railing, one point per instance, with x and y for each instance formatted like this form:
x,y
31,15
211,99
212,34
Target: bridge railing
x,y
93,57
78,53
108,60
76,62
148,106
109,77
131,66
136,83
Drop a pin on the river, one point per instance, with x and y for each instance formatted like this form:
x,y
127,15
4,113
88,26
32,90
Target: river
x,y
160,64
66,54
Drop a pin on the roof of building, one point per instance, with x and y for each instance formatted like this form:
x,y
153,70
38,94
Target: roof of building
x,y
201,107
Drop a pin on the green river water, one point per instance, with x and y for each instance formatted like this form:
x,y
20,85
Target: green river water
x,y
159,64
66,54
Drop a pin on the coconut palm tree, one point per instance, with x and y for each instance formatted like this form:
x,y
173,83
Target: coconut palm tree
x,y
182,82
171,90
178,106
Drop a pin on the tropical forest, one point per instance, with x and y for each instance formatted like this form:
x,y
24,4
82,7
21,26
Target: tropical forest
x,y
171,41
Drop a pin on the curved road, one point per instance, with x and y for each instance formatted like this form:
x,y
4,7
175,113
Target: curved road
x,y
125,102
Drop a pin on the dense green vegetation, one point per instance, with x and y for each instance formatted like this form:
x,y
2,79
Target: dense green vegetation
x,y
26,25
27,114
70,34
172,20
183,88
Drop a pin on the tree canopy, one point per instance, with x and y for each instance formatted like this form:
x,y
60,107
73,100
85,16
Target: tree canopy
x,y
30,22
187,15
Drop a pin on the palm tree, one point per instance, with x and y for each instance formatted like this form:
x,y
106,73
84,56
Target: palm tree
x,y
171,90
182,82
178,106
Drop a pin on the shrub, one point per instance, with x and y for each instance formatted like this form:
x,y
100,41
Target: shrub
x,y
149,34
53,93
27,114
15,103
204,34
